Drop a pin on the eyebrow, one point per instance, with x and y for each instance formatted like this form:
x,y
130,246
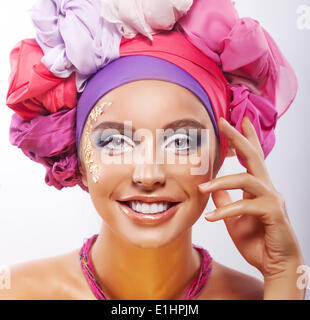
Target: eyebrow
x,y
182,123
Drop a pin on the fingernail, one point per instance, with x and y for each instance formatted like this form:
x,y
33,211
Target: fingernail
x,y
209,214
249,121
205,186
224,120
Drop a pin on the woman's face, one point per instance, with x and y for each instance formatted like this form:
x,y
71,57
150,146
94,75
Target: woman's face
x,y
148,106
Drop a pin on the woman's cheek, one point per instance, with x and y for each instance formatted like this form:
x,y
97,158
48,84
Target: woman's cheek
x,y
109,177
189,184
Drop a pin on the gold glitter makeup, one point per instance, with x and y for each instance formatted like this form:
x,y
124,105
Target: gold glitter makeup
x,y
96,112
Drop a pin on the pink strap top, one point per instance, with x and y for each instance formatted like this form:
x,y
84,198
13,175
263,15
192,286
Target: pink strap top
x,y
193,290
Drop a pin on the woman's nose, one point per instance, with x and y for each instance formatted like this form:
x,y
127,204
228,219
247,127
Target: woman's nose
x,y
148,171
148,176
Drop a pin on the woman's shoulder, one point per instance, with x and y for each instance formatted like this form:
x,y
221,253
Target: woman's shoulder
x,y
57,277
228,284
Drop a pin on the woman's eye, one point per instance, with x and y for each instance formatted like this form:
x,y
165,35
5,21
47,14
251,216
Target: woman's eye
x,y
115,143
182,143
118,143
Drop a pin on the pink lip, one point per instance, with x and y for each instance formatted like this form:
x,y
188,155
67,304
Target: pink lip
x,y
149,218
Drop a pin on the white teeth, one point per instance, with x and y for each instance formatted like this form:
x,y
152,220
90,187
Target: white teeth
x,y
153,207
144,207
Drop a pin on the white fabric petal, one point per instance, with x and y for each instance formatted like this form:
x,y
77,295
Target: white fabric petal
x,y
146,17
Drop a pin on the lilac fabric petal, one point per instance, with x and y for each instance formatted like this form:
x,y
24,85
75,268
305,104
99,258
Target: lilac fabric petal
x,y
261,112
50,140
67,29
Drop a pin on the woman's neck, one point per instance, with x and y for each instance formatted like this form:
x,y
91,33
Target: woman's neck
x,y
126,271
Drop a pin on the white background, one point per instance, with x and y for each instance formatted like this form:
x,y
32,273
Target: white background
x,y
38,221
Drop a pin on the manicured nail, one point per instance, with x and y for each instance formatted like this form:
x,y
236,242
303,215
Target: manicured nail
x,y
224,120
223,123
249,121
205,186
209,214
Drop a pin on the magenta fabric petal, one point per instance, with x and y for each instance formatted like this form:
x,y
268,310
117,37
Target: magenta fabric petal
x,y
50,140
64,173
38,135
261,113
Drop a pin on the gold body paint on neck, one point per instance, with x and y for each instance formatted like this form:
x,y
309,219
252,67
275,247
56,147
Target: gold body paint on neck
x,y
96,112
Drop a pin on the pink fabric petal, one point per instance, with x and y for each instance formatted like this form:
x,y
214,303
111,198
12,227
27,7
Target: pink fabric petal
x,y
207,23
250,59
33,89
243,49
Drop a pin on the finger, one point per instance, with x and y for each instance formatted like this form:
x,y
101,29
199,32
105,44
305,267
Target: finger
x,y
250,133
246,231
244,181
222,198
246,227
247,195
252,158
235,209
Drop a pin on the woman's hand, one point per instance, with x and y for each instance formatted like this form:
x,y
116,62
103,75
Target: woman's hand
x,y
258,224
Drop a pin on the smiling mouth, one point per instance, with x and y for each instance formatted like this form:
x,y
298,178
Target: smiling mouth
x,y
149,207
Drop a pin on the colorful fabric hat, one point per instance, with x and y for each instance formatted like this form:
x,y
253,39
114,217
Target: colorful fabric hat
x,y
231,64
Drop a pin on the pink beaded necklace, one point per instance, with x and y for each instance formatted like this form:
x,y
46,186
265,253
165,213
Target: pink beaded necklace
x,y
193,290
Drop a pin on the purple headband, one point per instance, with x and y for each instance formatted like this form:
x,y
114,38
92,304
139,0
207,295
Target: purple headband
x,y
131,68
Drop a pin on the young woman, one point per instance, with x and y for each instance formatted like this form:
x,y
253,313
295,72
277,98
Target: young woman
x,y
193,95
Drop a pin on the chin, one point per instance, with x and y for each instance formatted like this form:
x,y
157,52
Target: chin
x,y
150,239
